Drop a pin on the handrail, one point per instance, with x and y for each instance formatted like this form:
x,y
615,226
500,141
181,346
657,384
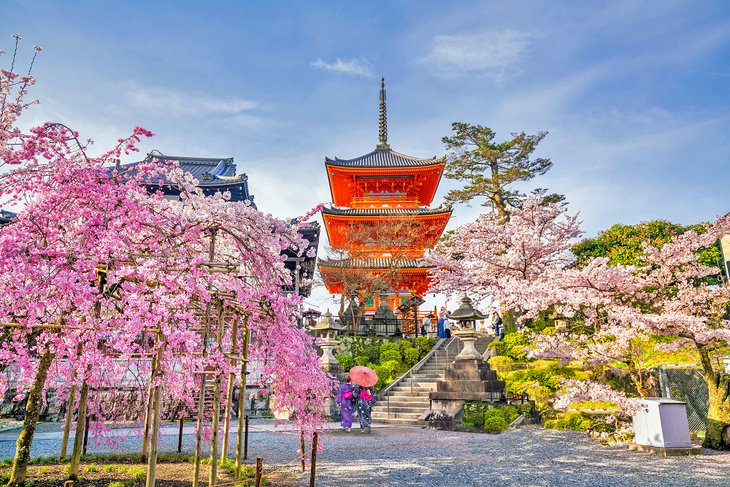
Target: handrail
x,y
415,368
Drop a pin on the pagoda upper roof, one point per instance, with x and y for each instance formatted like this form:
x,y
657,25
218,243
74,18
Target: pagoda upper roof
x,y
375,263
382,157
384,211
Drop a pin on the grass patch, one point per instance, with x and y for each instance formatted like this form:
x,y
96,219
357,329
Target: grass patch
x,y
91,468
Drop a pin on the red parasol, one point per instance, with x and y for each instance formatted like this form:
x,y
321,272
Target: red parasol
x,y
363,376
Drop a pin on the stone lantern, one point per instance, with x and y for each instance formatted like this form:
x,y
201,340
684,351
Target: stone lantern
x,y
467,317
327,330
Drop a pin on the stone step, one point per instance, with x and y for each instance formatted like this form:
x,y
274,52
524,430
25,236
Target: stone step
x,y
410,403
402,400
383,408
403,421
394,415
408,390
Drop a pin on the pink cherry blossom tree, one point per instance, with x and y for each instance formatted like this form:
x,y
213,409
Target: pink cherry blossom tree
x,y
94,266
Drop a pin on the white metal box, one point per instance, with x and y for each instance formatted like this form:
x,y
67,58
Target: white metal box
x,y
662,423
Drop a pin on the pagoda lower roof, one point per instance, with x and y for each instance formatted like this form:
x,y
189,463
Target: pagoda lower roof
x,y
382,158
384,211
375,263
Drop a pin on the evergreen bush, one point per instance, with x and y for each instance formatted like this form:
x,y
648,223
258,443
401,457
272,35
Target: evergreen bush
x,y
388,355
495,424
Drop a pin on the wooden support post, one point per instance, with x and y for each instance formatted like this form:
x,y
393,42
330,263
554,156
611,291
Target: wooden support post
x,y
313,466
301,446
199,431
245,443
69,417
201,397
242,400
259,470
180,435
69,410
73,471
155,429
212,480
229,393
86,435
148,413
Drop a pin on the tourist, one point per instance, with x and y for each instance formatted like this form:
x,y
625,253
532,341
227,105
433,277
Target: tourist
x,y
346,401
426,325
440,323
364,400
497,324
444,330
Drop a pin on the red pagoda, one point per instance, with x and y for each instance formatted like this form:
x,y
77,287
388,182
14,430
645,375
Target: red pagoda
x,y
391,190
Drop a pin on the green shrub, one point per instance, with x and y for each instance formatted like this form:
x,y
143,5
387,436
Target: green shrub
x,y
391,368
493,413
526,408
91,468
424,344
390,355
411,356
345,360
501,363
372,352
43,470
405,345
494,424
473,415
109,468
362,360
137,473
116,484
5,477
386,346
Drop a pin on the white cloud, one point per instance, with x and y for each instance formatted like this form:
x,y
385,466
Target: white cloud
x,y
494,53
174,102
353,67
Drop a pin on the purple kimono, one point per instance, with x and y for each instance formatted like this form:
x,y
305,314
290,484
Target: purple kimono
x,y
345,400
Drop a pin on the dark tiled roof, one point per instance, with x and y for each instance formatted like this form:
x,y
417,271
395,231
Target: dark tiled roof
x,y
382,263
6,216
384,211
382,158
213,174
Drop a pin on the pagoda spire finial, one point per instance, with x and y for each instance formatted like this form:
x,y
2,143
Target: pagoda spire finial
x,y
383,119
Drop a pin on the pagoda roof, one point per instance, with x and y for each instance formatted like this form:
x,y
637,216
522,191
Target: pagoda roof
x,y
374,263
384,211
382,157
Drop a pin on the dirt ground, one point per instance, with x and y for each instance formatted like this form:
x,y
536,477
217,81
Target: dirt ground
x,y
168,475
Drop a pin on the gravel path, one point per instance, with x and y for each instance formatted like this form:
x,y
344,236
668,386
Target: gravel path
x,y
420,457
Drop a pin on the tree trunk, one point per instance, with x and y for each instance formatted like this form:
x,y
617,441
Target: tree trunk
x,y
32,411
718,414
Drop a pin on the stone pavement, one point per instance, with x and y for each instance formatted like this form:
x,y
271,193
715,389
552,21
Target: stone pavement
x,y
394,455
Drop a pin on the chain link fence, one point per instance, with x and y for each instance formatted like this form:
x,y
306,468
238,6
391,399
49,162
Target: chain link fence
x,y
686,384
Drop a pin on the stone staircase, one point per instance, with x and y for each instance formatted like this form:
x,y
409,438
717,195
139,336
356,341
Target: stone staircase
x,y
408,400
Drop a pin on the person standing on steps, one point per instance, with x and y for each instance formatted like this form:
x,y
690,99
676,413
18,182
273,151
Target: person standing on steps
x,y
445,323
497,325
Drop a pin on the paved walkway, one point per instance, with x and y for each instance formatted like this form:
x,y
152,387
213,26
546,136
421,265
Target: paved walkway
x,y
412,457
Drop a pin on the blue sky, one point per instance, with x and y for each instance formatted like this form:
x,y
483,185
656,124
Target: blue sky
x,y
635,95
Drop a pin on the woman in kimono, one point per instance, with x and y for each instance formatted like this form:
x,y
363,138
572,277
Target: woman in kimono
x,y
364,400
346,401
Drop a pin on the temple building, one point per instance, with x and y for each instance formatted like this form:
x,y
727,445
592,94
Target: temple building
x,y
380,223
219,175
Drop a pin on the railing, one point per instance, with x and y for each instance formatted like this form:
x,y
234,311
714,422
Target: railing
x,y
446,343
370,326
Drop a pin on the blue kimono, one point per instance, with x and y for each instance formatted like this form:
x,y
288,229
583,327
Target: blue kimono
x,y
364,400
346,401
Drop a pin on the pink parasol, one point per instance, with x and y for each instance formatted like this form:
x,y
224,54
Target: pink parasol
x,y
363,376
